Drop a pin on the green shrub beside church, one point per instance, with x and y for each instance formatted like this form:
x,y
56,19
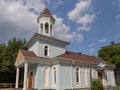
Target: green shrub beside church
x,y
96,85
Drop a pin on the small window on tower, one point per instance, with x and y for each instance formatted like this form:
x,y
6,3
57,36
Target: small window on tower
x,y
51,30
46,28
46,51
41,27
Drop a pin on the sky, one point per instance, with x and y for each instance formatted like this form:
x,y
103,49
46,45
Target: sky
x,y
87,24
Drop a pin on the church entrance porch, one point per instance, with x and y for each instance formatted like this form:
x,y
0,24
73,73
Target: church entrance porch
x,y
27,77
100,76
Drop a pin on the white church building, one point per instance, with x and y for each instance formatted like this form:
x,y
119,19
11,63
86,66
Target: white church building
x,y
49,66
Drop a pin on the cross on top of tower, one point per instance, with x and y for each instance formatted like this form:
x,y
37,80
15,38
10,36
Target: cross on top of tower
x,y
46,4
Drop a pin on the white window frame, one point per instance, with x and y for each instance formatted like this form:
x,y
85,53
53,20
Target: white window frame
x,y
54,79
46,82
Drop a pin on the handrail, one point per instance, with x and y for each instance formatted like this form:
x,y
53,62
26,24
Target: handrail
x,y
7,85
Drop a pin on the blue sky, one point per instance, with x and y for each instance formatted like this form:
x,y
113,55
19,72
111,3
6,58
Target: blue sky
x,y
87,24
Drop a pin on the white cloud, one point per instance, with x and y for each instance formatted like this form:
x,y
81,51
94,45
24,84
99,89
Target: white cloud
x,y
18,18
62,31
86,19
81,14
103,40
83,27
91,45
92,50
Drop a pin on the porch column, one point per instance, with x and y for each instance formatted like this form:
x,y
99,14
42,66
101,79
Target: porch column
x,y
25,76
17,78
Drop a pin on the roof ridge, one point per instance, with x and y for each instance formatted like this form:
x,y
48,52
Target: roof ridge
x,y
80,54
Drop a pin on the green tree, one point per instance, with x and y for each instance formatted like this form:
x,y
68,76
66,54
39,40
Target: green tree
x,y
8,54
112,55
2,51
96,85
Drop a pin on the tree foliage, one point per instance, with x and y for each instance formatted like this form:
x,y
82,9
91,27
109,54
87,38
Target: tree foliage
x,y
8,54
96,85
110,53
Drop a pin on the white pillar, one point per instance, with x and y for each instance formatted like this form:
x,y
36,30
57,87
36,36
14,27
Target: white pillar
x,y
17,78
39,28
25,76
49,29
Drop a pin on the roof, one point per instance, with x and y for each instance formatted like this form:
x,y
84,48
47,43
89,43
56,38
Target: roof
x,y
38,36
28,53
46,13
79,57
67,55
31,54
109,64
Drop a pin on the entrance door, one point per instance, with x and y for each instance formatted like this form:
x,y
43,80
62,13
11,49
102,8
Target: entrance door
x,y
100,76
30,80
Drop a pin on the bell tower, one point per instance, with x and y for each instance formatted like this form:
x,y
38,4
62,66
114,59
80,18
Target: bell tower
x,y
46,22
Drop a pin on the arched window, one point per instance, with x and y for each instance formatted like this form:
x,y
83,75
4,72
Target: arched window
x,y
46,51
77,75
54,75
51,30
46,28
46,76
41,26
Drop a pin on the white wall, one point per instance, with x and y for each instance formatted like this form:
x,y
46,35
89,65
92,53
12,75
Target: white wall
x,y
54,49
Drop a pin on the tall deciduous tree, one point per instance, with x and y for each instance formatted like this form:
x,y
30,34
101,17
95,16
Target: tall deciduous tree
x,y
112,55
8,54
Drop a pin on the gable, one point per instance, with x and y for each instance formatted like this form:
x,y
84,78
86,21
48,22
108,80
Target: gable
x,y
19,58
101,63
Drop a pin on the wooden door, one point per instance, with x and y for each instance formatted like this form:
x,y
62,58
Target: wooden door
x,y
30,80
100,76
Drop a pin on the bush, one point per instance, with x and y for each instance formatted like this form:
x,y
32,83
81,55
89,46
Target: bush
x,y
96,85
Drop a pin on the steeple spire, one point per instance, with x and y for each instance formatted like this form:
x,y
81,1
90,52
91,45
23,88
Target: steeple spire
x,y
46,21
46,13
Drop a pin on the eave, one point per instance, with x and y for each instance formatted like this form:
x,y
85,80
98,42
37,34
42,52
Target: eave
x,y
37,36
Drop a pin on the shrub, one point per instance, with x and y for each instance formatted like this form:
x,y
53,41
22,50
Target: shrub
x,y
96,85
